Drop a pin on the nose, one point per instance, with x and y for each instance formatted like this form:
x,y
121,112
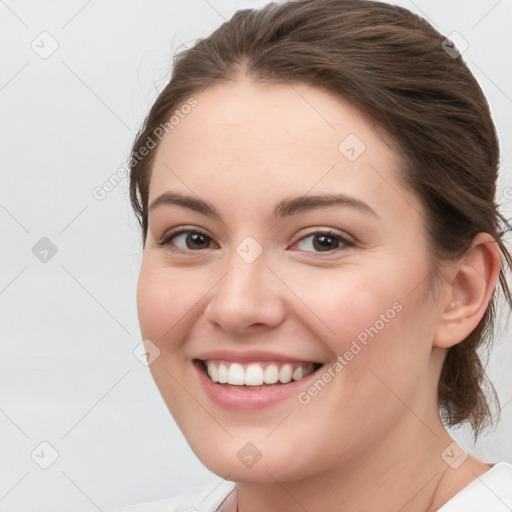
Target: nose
x,y
249,297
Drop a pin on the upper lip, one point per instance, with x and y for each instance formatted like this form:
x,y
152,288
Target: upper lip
x,y
248,356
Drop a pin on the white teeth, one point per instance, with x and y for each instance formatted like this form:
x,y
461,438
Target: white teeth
x,y
271,374
222,374
285,374
297,374
255,374
236,374
213,372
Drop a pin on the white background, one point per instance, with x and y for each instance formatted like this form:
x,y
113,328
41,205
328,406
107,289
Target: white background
x,y
69,326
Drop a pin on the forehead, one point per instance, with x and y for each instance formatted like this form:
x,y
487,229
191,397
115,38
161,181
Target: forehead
x,y
279,140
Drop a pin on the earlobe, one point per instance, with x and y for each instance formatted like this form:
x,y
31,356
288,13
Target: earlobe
x,y
470,291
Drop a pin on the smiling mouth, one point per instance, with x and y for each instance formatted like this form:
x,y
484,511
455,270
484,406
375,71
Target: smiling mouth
x,y
255,375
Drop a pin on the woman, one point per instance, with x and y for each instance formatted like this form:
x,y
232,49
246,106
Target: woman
x,y
322,251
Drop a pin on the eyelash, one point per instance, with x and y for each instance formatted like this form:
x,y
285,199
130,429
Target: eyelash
x,y
347,242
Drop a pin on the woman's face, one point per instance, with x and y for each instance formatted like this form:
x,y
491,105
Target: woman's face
x,y
316,255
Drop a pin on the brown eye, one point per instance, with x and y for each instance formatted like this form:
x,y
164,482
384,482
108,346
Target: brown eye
x,y
187,240
324,241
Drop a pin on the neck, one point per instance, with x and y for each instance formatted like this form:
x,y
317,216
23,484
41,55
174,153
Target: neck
x,y
403,472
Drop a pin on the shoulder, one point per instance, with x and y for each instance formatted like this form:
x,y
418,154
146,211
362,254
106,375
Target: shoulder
x,y
491,492
203,499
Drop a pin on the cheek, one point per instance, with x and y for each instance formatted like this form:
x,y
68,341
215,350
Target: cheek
x,y
352,303
374,321
164,299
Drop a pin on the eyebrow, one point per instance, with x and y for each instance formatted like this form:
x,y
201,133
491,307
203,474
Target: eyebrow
x,y
283,209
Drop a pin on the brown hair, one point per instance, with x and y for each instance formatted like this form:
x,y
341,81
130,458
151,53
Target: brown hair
x,y
393,66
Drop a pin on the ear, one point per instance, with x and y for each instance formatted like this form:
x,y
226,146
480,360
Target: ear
x,y
472,281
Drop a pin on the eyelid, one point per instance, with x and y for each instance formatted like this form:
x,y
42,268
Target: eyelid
x,y
344,237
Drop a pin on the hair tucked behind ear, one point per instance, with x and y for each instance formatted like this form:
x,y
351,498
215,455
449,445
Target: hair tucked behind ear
x,y
391,64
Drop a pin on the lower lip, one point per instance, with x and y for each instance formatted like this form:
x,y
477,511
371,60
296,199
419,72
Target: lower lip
x,y
230,398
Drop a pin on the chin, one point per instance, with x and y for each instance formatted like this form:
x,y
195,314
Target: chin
x,y
243,461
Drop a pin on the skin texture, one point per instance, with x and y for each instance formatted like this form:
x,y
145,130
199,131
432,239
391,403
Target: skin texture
x,y
372,438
